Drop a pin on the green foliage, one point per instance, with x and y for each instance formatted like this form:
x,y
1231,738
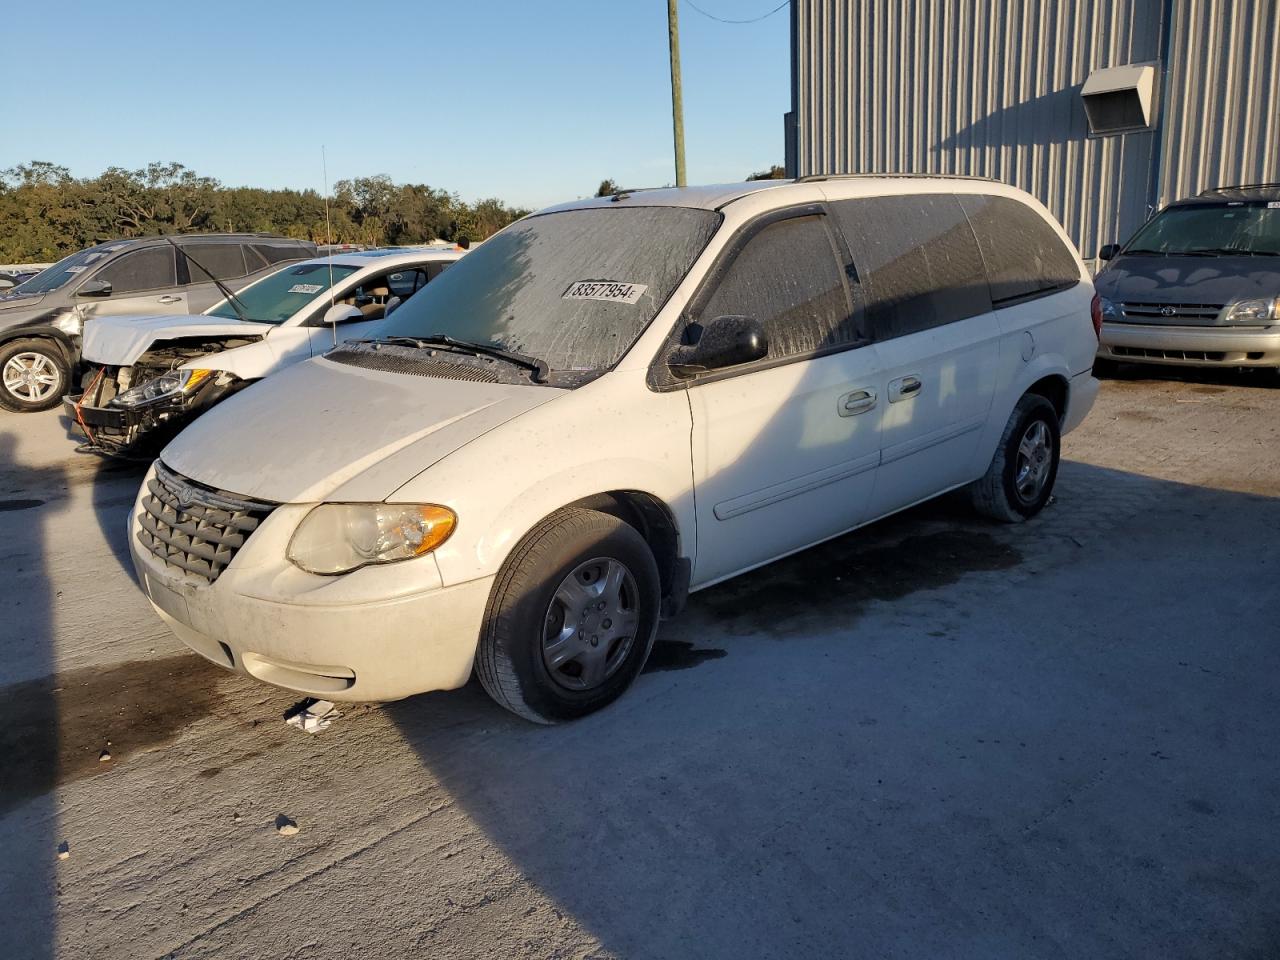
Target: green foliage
x,y
45,213
775,172
607,188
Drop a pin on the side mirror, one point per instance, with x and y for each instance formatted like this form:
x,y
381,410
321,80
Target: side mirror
x,y
1109,251
95,288
341,313
724,342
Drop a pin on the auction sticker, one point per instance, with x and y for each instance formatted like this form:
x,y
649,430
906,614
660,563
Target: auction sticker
x,y
611,291
306,288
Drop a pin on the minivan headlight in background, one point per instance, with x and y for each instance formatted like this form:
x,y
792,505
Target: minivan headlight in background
x,y
1252,311
340,537
171,384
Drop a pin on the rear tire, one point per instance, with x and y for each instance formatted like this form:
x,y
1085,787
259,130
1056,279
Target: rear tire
x,y
571,618
34,375
1020,479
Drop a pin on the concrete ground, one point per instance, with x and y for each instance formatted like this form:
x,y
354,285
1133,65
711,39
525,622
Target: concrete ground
x,y
933,738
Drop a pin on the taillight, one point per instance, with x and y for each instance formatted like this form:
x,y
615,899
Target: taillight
x,y
1095,313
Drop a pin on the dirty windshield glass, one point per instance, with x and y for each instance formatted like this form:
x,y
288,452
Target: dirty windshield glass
x,y
276,298
1246,230
67,269
574,289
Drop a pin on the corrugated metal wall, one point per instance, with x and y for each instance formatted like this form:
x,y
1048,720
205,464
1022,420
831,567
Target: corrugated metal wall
x,y
1222,117
992,89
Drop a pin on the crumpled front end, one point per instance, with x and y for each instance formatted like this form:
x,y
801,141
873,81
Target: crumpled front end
x,y
132,412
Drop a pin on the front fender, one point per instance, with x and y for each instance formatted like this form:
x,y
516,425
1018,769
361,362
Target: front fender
x,y
43,331
588,443
252,361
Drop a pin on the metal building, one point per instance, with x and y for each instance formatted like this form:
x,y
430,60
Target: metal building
x,y
1104,109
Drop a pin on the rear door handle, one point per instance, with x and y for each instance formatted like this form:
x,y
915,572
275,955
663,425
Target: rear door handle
x,y
856,402
904,388
170,299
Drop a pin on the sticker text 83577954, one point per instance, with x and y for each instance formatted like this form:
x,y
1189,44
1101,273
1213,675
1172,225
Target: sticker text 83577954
x,y
611,291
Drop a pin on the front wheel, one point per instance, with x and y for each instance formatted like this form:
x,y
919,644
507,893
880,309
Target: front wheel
x,y
33,375
1020,479
571,619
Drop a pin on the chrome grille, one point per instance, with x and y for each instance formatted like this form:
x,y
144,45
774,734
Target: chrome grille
x,y
193,527
1171,312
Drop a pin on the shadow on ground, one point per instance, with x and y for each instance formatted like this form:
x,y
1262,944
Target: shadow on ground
x,y
1060,752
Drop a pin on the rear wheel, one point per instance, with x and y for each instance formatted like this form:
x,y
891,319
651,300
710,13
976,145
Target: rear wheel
x,y
33,375
571,618
1020,479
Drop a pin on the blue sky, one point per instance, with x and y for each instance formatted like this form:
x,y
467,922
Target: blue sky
x,y
532,102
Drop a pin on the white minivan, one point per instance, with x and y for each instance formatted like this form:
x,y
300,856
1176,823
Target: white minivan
x,y
607,405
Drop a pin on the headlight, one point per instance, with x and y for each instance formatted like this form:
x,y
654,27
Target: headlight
x,y
340,537
1252,311
171,384
1110,311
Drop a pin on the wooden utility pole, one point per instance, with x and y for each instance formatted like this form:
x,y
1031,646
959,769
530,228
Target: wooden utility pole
x,y
677,101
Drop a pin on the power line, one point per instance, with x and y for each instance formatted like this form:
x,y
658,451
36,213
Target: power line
x,y
712,16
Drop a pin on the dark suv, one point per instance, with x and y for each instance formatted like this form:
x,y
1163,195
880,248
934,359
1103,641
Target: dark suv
x,y
41,319
1199,284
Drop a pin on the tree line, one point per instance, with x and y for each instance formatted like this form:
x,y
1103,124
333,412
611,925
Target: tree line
x,y
45,213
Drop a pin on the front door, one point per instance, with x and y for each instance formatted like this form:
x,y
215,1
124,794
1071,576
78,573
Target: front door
x,y
785,449
142,282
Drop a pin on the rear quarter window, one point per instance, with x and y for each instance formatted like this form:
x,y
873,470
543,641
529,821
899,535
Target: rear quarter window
x,y
1025,258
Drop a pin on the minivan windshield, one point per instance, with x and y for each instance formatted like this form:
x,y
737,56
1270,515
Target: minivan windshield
x,y
66,270
276,298
573,288
1226,229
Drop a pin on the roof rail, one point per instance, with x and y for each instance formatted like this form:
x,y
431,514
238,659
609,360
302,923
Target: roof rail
x,y
817,177
1238,188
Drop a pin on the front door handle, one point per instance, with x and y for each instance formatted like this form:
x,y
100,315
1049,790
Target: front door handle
x,y
904,388
170,299
856,402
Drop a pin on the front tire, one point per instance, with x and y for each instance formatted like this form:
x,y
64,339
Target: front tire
x,y
571,619
1020,479
33,375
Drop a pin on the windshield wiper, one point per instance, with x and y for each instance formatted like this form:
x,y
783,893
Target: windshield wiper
x,y
222,287
1234,252
541,371
1141,253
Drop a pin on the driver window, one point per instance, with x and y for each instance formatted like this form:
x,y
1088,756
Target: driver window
x,y
787,277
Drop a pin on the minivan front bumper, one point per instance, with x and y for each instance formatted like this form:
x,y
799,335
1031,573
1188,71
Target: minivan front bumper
x,y
362,643
1191,346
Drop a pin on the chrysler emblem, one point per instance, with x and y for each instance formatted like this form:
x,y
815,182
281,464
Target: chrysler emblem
x,y
184,493
1167,311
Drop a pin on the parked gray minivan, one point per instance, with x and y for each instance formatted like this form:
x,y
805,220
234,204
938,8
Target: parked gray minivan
x,y
1198,284
41,319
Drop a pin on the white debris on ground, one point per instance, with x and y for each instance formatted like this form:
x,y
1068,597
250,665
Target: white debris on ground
x,y
312,716
286,826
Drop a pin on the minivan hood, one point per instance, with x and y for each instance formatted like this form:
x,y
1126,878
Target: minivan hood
x,y
321,430
120,340
1198,280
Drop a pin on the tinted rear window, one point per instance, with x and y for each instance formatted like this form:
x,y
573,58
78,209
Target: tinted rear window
x,y
1025,258
917,260
224,260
